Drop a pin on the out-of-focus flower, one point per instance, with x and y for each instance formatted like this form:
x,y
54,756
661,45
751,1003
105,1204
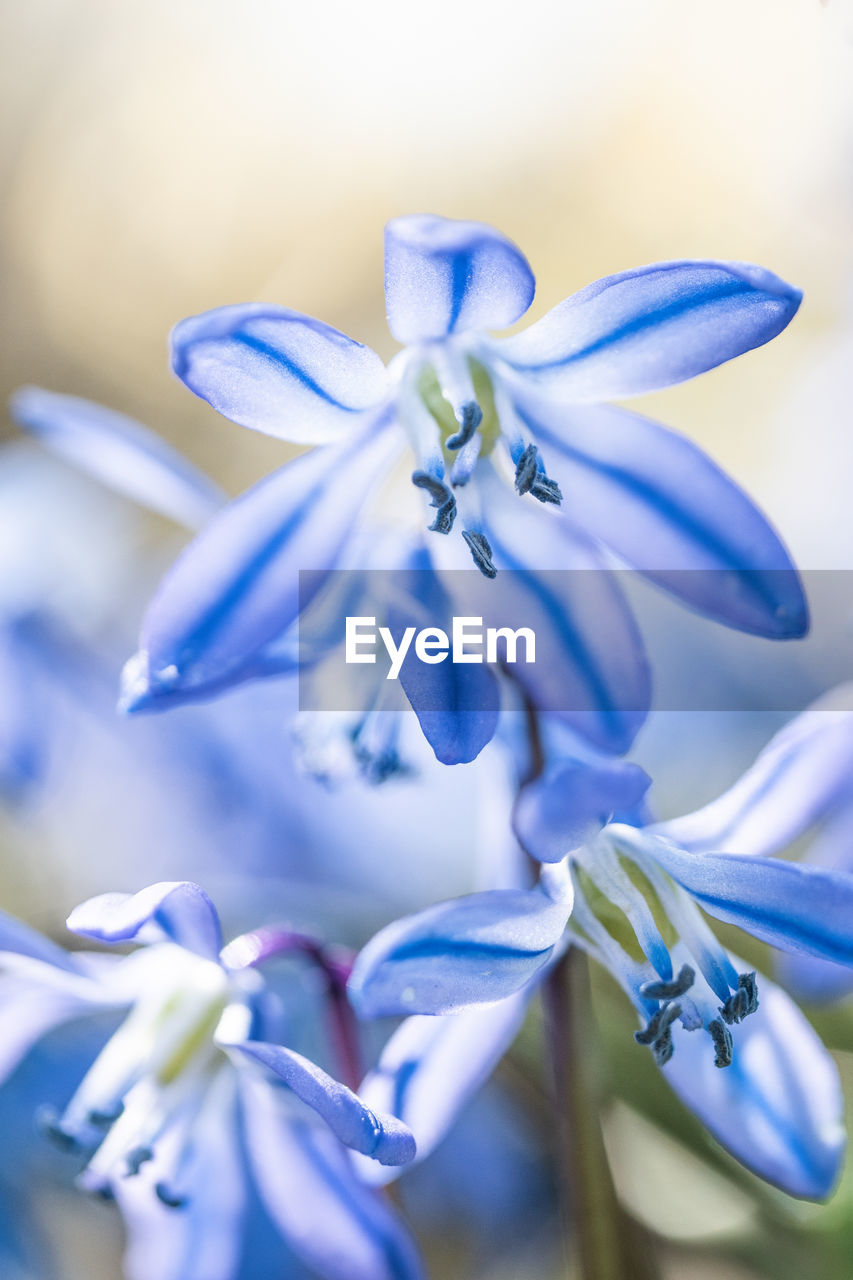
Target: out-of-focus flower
x,y
474,411
192,1078
627,892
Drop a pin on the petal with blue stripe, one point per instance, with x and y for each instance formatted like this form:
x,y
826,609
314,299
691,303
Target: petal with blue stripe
x,y
278,371
790,905
668,511
309,1188
778,1107
444,276
470,951
651,327
804,771
175,909
382,1137
236,588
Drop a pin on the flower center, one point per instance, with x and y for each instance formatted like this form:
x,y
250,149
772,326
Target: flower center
x,y
156,1077
450,410
651,935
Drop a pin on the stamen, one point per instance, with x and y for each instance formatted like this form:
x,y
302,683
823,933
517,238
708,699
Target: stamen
x,y
722,1039
171,1199
668,990
546,490
658,1024
469,417
441,497
103,1118
526,469
480,548
530,478
743,1002
136,1158
663,1048
466,460
50,1126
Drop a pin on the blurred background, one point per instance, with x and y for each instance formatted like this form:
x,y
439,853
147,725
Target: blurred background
x,y
158,159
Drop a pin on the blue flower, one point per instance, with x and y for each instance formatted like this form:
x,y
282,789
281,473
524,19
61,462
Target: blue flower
x,y
190,1078
608,888
508,442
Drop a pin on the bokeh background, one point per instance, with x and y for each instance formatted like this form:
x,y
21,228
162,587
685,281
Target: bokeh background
x,y
158,158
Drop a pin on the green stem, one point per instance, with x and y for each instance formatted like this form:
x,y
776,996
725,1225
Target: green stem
x,y
607,1244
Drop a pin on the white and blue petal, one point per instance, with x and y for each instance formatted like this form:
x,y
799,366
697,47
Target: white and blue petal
x,y
644,329
202,1238
444,276
236,588
382,1137
120,453
175,909
470,951
278,371
801,775
792,906
778,1107
310,1190
667,510
568,804
431,1067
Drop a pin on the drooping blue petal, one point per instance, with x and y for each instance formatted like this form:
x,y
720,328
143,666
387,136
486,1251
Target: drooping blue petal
x,y
307,1184
591,668
457,704
667,510
203,1239
778,1107
277,371
235,589
571,801
431,1067
466,952
178,909
379,1136
119,452
790,905
805,770
444,276
648,328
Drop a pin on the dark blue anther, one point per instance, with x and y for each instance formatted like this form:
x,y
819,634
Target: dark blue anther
x,y
663,1048
661,990
546,490
135,1159
441,497
722,1038
742,1002
658,1024
472,416
104,1192
102,1119
171,1199
480,548
531,478
48,1124
526,469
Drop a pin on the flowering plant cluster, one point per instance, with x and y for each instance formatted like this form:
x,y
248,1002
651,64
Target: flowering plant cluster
x,y
230,1089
